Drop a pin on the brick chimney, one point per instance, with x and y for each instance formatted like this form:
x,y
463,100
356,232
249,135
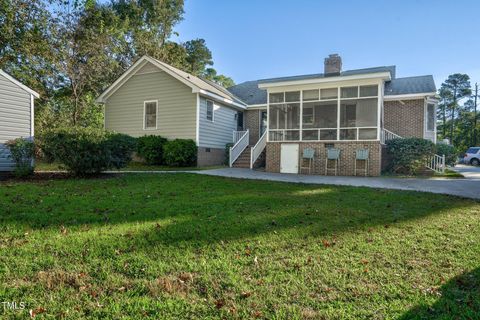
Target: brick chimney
x,y
333,65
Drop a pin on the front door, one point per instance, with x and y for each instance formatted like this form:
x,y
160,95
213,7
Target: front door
x,y
263,122
289,158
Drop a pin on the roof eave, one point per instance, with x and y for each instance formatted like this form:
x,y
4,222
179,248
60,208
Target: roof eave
x,y
377,75
409,96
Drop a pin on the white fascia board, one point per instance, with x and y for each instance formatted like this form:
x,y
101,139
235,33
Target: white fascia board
x,y
18,83
410,96
132,70
222,99
378,75
256,106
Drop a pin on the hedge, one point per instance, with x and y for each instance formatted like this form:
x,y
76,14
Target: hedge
x,y
409,155
150,148
180,153
448,151
86,150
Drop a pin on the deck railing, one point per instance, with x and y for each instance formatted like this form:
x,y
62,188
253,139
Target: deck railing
x,y
386,135
436,163
237,135
257,149
240,145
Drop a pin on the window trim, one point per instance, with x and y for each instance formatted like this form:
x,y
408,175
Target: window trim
x,y
206,110
145,114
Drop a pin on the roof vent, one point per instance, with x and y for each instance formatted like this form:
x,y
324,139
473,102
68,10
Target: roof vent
x,y
333,65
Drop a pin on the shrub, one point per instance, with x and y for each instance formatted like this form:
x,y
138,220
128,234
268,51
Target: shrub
x,y
227,153
180,153
448,151
150,148
88,150
409,155
22,152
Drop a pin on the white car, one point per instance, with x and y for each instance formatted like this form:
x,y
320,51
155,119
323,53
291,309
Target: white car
x,y
472,156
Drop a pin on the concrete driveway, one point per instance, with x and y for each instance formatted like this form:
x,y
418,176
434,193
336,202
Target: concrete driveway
x,y
469,172
468,188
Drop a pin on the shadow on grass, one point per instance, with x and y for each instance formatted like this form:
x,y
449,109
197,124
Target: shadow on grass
x,y
460,299
204,209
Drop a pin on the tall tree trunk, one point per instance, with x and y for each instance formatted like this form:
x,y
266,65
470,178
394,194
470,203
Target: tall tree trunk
x,y
454,104
444,127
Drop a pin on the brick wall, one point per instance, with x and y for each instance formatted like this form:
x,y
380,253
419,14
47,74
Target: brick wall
x,y
347,157
213,158
251,120
405,119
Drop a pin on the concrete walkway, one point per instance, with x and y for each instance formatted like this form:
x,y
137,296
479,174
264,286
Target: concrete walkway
x,y
469,172
468,188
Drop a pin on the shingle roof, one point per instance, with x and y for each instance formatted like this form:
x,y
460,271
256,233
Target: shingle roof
x,y
390,69
249,92
409,85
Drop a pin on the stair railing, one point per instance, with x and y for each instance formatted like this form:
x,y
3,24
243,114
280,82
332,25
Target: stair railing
x,y
386,135
257,149
436,163
240,145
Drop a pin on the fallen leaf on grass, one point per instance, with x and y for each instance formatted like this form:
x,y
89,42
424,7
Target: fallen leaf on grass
x,y
219,303
34,312
245,294
326,243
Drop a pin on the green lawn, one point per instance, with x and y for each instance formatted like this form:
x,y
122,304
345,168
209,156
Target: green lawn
x,y
186,246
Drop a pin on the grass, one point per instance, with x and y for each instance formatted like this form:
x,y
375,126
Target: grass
x,y
187,246
132,166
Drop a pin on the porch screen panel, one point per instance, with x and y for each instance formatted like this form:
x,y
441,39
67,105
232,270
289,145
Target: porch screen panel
x,y
284,122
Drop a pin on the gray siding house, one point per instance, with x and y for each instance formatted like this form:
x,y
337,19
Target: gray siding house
x,y
16,115
275,121
152,97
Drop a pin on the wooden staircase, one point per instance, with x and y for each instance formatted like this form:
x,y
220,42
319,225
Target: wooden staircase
x,y
243,160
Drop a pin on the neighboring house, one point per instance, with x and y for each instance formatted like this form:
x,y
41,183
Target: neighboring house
x,y
16,115
347,110
154,98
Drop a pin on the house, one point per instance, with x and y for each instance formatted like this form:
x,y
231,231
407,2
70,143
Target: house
x,y
277,119
154,98
16,115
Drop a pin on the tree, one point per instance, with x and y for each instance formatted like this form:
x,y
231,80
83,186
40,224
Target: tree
x,y
459,87
198,56
211,74
443,106
25,43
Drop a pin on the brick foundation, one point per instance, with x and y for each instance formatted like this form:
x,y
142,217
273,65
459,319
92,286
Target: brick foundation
x,y
213,158
405,119
347,157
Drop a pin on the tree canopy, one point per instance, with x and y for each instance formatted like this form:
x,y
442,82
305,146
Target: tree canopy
x,y
71,50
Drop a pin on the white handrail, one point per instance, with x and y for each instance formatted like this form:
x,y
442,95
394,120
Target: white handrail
x,y
237,135
257,149
386,135
436,163
238,147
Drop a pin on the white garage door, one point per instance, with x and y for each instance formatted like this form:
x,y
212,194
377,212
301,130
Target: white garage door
x,y
289,158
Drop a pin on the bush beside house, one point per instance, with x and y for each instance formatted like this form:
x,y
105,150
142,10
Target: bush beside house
x,y
409,155
22,152
85,150
180,153
448,151
150,148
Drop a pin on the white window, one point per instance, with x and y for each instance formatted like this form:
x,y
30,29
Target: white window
x,y
210,110
150,115
430,117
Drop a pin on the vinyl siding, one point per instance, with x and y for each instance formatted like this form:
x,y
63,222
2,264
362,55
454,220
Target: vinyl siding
x,y
177,106
218,133
15,121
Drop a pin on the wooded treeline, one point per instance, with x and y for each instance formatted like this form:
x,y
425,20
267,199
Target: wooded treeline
x,y
71,50
457,113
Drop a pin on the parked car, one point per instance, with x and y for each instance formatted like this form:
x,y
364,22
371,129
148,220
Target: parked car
x,y
472,156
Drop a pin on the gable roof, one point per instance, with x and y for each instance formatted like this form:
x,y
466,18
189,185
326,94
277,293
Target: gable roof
x,y
19,84
250,93
197,84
